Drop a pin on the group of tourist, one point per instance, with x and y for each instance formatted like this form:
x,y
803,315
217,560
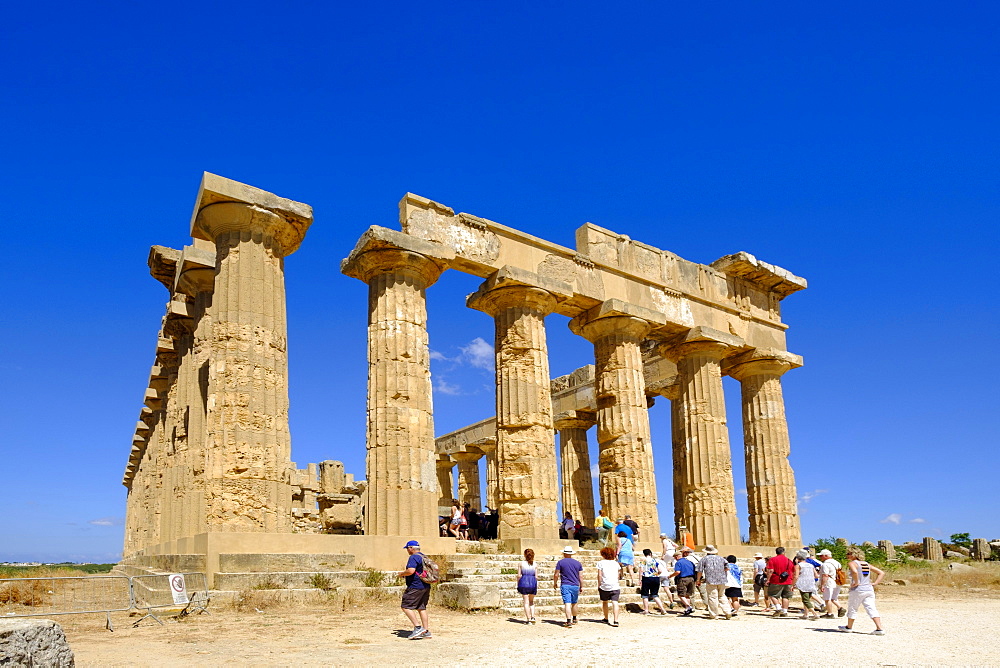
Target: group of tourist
x,y
717,580
465,523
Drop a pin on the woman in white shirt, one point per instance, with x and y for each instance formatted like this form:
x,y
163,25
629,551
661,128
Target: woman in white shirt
x,y
609,585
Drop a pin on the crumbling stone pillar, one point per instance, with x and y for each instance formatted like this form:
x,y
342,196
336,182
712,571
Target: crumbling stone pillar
x,y
468,478
888,548
981,550
489,448
707,488
627,482
774,517
248,465
446,484
932,549
577,480
525,438
402,482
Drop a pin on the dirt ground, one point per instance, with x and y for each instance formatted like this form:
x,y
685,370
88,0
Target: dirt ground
x,y
924,626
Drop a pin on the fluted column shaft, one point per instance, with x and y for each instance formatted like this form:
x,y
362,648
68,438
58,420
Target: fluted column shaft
x,y
627,480
468,478
402,481
525,438
577,480
446,483
248,462
709,500
774,518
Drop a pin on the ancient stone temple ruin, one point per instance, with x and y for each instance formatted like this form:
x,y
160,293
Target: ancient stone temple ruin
x,y
210,471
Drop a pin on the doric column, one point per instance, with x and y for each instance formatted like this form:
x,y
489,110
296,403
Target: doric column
x,y
525,438
446,484
574,461
774,518
709,500
248,465
468,478
489,448
400,464
627,482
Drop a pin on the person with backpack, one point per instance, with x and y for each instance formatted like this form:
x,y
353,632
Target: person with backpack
x,y
420,572
832,577
603,526
780,574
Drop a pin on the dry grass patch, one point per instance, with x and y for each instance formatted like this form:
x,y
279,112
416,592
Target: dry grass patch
x,y
979,576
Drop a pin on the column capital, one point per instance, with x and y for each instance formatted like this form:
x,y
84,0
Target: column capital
x,y
511,287
224,205
702,341
761,361
381,251
466,456
444,462
574,420
616,317
488,445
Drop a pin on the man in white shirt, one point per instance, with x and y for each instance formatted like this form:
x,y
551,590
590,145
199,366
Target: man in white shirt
x,y
828,583
759,581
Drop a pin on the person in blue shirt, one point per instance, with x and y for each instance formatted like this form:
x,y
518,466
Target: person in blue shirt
x,y
684,571
417,593
621,526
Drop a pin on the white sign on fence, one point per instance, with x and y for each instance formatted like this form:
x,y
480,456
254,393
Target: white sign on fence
x,y
178,588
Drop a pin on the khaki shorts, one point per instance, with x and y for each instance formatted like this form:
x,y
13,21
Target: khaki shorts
x,y
685,587
779,591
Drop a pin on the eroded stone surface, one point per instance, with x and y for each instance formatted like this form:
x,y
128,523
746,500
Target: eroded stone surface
x,y
34,642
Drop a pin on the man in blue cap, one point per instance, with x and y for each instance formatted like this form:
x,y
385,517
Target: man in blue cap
x,y
417,593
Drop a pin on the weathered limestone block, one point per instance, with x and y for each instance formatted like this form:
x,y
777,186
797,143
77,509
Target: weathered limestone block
x,y
707,489
401,470
627,481
34,642
577,480
339,499
248,461
932,549
467,596
468,478
525,452
774,518
981,550
888,548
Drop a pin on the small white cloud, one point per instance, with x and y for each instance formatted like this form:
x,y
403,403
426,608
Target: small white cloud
x,y
806,497
438,357
892,518
444,387
479,354
741,492
108,522
918,520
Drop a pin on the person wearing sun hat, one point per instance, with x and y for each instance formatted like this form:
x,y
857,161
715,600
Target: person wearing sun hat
x,y
417,593
568,579
759,581
712,571
684,572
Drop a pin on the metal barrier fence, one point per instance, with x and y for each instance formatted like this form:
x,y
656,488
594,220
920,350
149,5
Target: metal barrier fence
x,y
103,594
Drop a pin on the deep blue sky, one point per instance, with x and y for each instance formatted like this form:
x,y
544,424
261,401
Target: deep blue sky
x,y
855,145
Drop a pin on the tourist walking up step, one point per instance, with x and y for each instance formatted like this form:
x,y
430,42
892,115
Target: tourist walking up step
x,y
684,572
568,579
828,584
651,570
712,571
669,549
734,583
604,526
631,524
759,579
609,586
527,585
805,582
780,577
567,527
416,594
669,557
862,591
626,556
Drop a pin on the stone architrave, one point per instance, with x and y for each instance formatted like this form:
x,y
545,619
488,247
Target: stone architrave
x,y
525,438
981,550
774,517
248,462
577,480
627,481
446,482
468,478
707,489
932,549
888,548
401,470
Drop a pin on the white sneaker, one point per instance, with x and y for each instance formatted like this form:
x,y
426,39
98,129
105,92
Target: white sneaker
x,y
844,629
417,632
878,632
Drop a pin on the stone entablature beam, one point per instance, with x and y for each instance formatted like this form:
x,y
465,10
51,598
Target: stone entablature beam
x,y
401,471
